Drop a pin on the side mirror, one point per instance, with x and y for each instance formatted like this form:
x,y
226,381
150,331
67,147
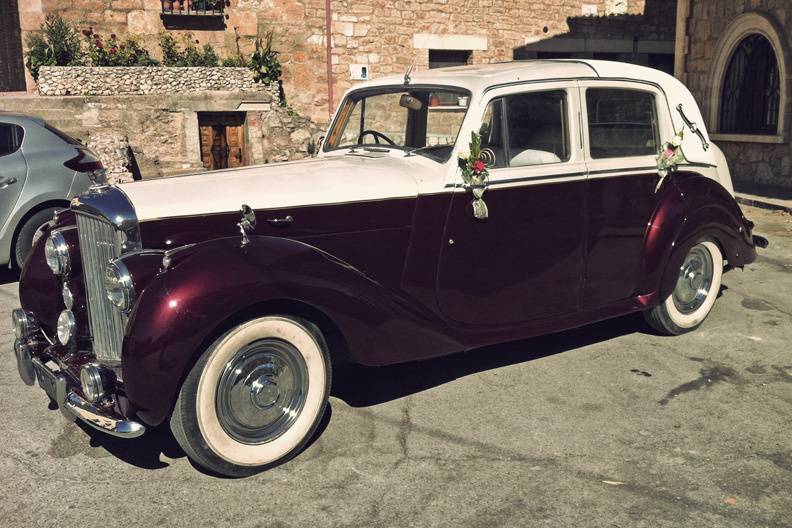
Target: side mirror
x,y
410,102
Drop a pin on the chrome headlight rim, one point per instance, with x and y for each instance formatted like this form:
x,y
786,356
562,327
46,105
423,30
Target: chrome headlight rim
x,y
65,327
24,324
56,252
93,382
123,294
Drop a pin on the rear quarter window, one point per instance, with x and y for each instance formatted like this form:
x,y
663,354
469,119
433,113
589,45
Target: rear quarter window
x,y
10,138
621,123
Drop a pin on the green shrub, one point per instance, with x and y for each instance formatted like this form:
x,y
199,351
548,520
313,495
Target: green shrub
x,y
115,52
185,53
56,44
264,62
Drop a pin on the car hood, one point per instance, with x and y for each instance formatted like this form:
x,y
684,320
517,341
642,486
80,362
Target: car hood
x,y
336,179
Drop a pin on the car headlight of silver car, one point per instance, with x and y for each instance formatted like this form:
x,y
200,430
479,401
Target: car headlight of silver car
x,y
119,287
56,251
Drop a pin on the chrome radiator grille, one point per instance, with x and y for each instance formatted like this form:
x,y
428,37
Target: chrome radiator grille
x,y
97,248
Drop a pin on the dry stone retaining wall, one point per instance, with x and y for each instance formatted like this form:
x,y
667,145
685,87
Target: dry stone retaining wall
x,y
140,80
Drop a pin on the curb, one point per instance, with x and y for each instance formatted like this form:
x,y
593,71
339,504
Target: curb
x,y
763,204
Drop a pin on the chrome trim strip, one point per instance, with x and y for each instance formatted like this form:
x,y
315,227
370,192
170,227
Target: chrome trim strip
x,y
101,420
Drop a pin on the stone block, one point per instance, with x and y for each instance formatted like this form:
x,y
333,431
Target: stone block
x,y
144,23
29,6
127,5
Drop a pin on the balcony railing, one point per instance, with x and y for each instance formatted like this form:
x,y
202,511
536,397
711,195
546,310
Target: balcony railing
x,y
192,7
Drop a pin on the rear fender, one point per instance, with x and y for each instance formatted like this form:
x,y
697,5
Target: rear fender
x,y
699,208
182,310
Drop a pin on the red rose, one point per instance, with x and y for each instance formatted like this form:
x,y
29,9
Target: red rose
x,y
112,51
478,166
112,36
86,32
99,44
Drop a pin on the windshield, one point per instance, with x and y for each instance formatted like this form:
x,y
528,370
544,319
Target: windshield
x,y
423,120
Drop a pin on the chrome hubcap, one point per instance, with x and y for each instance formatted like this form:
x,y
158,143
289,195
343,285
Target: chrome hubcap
x,y
262,391
694,281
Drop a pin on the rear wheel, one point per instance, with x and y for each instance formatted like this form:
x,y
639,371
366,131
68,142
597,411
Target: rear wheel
x,y
697,287
255,397
30,232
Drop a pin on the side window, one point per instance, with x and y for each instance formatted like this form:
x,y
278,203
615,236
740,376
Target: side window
x,y
621,123
10,138
491,132
537,128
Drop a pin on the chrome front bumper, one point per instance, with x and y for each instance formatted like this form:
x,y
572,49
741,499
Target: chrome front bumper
x,y
73,406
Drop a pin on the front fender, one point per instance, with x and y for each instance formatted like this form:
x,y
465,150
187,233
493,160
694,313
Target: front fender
x,y
181,311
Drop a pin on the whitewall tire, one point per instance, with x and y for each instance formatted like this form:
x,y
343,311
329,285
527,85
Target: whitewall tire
x,y
255,397
697,287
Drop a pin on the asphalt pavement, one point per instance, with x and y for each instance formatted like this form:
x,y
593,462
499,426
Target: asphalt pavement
x,y
606,425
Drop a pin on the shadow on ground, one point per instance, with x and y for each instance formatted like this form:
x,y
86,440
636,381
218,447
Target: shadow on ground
x,y
361,386
8,276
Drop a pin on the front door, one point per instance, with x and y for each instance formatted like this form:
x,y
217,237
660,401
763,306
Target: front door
x,y
625,127
525,260
13,168
222,139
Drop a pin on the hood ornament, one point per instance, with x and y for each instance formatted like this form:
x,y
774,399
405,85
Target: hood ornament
x,y
247,224
407,78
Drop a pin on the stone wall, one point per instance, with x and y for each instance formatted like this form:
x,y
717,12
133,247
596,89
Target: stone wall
x,y
82,80
751,162
149,136
383,35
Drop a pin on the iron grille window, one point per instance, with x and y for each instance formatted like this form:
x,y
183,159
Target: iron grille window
x,y
192,7
751,89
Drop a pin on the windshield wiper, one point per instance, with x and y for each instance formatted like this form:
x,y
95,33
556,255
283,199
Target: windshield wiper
x,y
352,150
426,148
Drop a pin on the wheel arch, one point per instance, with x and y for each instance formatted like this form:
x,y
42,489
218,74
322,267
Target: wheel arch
x,y
695,207
28,214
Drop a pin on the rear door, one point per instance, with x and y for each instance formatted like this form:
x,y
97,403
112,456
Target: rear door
x,y
625,123
13,169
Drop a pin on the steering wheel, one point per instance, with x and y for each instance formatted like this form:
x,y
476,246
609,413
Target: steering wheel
x,y
377,136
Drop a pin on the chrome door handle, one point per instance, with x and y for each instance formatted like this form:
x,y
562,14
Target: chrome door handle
x,y
285,221
5,182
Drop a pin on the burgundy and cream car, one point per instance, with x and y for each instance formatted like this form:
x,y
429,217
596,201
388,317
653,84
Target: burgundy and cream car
x,y
219,302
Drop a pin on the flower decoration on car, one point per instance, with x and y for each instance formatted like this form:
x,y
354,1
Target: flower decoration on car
x,y
670,157
475,175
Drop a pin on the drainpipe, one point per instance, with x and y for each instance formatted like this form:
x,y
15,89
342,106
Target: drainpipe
x,y
681,43
329,46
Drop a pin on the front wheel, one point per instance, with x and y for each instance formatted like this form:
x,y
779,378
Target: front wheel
x,y
255,397
695,292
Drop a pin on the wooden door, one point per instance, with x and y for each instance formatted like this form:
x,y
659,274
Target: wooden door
x,y
222,139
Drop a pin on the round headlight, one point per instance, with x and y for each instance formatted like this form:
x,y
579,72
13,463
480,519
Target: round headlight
x,y
24,325
92,382
68,298
66,326
56,251
119,286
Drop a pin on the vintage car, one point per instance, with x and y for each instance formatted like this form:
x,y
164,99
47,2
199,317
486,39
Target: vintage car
x,y
446,210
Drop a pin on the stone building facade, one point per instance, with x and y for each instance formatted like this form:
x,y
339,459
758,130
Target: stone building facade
x,y
735,56
379,37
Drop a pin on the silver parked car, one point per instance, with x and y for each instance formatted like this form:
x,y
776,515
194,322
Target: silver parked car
x,y
41,170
